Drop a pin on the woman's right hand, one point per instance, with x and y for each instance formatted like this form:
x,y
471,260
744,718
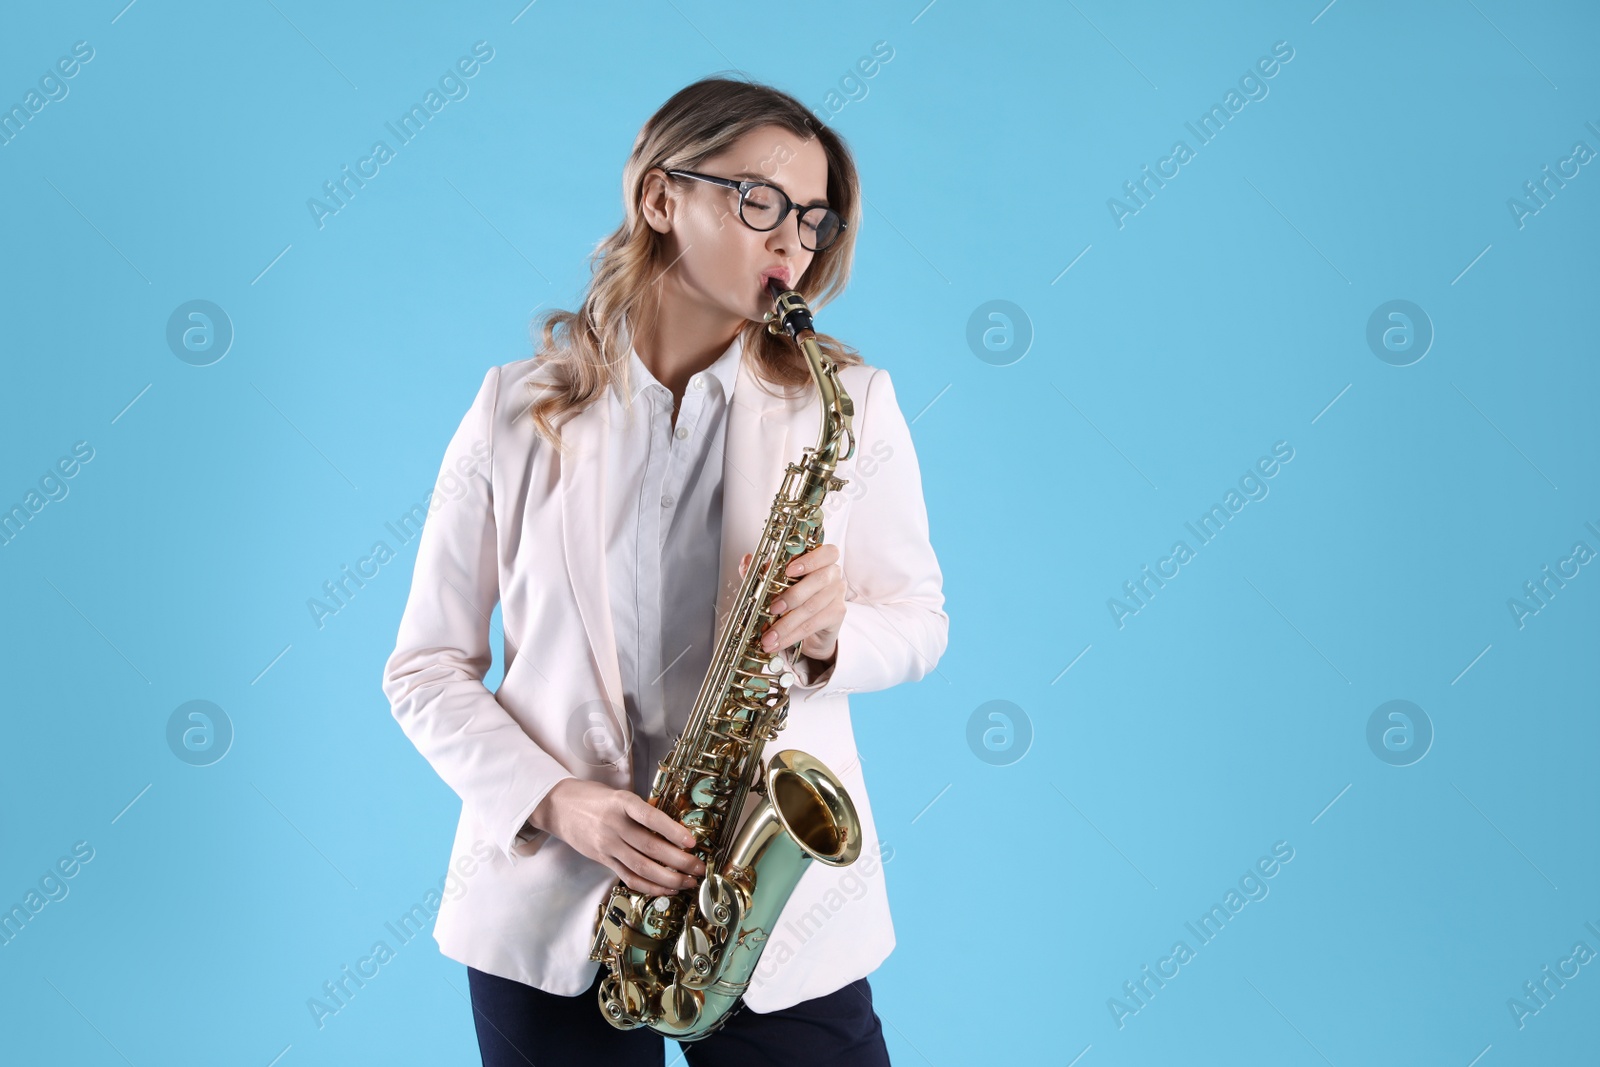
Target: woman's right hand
x,y
620,829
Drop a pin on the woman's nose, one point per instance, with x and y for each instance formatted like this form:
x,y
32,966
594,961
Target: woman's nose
x,y
784,239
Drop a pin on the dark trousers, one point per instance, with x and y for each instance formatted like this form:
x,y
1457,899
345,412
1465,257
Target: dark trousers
x,y
520,1026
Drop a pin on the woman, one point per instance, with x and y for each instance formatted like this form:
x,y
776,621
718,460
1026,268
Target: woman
x,y
608,494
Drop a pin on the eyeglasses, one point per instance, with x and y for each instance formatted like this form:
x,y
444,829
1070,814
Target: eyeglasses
x,y
764,207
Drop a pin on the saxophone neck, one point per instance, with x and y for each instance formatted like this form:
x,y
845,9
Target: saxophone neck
x,y
791,313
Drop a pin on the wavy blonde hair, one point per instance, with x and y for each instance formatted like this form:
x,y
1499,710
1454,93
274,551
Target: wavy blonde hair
x,y
580,353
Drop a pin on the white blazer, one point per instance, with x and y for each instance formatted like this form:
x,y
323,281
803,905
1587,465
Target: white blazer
x,y
510,520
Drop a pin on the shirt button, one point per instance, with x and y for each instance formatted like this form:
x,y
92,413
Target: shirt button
x,y
666,501
682,432
697,382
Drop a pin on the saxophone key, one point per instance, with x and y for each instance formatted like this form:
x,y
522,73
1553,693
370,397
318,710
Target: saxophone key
x,y
696,966
700,821
680,1007
656,921
703,793
622,1002
614,924
719,901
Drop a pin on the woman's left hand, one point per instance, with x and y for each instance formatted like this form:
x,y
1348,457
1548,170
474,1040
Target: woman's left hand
x,y
812,609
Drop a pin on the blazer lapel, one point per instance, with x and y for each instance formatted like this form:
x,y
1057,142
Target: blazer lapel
x,y
583,488
755,455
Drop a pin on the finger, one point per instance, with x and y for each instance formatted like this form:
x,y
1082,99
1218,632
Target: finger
x,y
653,818
659,848
810,596
617,858
641,885
649,870
798,622
799,593
662,851
814,560
794,626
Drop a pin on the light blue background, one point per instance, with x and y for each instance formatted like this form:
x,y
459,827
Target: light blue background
x,y
1228,314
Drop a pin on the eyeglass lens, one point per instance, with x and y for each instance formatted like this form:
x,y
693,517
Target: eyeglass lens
x,y
819,226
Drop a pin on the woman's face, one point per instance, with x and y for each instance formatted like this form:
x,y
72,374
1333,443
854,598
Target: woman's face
x,y
717,260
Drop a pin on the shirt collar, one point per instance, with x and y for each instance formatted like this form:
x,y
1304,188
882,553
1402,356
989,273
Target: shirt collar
x,y
724,370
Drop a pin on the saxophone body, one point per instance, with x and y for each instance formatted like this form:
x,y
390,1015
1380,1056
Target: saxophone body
x,y
678,964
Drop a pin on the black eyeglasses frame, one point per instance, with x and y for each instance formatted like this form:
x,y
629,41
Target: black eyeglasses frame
x,y
789,205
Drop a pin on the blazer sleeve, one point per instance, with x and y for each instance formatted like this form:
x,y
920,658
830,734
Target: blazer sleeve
x,y
895,627
434,677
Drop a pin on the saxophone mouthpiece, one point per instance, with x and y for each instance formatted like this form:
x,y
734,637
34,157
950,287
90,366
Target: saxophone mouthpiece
x,y
792,314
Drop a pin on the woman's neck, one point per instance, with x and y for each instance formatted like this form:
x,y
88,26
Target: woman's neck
x,y
677,340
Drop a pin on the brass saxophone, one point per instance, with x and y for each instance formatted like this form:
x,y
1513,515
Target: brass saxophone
x,y
679,963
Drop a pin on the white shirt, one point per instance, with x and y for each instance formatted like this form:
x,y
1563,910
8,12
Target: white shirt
x,y
663,544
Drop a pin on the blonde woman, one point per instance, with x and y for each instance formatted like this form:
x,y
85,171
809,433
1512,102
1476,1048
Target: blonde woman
x,y
608,494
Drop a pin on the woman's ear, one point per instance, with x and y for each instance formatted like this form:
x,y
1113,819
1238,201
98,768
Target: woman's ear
x,y
655,202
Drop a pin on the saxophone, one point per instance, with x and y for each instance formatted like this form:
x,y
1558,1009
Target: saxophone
x,y
679,963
